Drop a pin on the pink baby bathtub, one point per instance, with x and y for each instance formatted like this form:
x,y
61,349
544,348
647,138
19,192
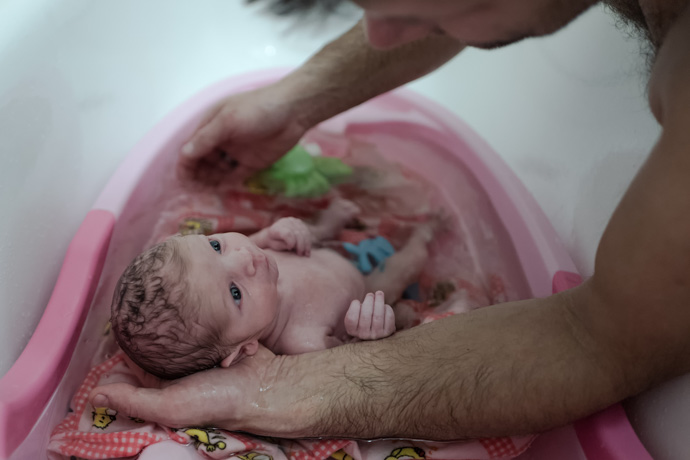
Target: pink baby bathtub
x,y
35,393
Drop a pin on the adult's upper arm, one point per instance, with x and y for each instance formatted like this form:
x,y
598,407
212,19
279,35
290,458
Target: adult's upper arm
x,y
641,285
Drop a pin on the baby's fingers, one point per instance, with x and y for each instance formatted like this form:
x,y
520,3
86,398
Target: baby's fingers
x,y
389,322
302,236
301,239
306,243
370,320
352,318
378,315
351,208
282,239
383,318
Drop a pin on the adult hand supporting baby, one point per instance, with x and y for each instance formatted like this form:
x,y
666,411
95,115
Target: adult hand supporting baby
x,y
219,397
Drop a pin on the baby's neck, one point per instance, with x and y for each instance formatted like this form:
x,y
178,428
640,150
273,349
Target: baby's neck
x,y
285,295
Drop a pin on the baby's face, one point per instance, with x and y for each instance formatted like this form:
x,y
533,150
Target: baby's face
x,y
234,281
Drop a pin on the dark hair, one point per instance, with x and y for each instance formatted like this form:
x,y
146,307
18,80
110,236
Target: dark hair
x,y
151,317
286,7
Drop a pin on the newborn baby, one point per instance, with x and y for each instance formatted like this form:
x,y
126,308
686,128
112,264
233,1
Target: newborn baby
x,y
195,302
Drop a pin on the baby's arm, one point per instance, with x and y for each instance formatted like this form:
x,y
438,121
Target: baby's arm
x,y
292,234
333,219
371,319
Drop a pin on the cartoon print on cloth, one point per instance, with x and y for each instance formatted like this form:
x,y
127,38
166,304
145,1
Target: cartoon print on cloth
x,y
407,452
341,455
200,436
370,253
255,456
102,417
195,226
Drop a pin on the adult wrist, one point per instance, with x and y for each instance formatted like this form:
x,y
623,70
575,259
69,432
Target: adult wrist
x,y
308,99
287,401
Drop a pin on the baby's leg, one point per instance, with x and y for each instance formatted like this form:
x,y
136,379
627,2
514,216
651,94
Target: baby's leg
x,y
404,267
333,219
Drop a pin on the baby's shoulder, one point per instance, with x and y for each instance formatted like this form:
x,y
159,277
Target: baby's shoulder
x,y
298,339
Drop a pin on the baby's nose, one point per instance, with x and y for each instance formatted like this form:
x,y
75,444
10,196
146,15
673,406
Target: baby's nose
x,y
247,260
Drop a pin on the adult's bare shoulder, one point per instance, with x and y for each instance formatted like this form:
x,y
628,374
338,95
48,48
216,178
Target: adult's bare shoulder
x,y
641,285
669,85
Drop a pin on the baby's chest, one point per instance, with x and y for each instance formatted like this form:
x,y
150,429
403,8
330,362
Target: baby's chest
x,y
326,285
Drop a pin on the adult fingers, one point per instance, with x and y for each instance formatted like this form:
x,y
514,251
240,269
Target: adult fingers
x,y
240,173
204,141
211,114
145,403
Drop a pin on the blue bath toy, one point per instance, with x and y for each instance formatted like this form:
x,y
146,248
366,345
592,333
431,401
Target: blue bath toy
x,y
370,253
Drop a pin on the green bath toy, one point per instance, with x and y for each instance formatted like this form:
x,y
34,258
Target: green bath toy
x,y
300,175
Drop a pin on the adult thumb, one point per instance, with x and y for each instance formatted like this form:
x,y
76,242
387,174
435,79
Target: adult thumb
x,y
145,403
205,140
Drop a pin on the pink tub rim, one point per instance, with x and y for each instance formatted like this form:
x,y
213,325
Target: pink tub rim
x,y
607,435
29,384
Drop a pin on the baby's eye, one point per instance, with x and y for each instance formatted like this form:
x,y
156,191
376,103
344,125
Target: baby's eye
x,y
215,245
236,294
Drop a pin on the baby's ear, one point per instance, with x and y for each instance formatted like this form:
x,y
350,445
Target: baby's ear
x,y
233,357
246,349
250,347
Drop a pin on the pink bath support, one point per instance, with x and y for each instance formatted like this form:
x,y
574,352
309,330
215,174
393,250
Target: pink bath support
x,y
406,127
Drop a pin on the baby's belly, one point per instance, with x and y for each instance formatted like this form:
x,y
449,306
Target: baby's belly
x,y
334,270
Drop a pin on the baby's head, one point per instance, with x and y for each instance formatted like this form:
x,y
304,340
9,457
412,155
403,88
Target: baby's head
x,y
193,302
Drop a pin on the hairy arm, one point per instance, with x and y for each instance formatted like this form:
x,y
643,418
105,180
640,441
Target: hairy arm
x,y
348,72
514,368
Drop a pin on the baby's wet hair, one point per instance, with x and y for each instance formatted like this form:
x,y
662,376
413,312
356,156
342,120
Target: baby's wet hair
x,y
152,315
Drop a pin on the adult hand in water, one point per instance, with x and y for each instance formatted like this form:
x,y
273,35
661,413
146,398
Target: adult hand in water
x,y
230,398
242,134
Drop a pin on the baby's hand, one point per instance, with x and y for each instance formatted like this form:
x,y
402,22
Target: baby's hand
x,y
371,319
288,234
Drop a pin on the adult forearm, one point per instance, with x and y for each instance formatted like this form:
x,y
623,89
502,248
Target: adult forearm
x,y
347,72
515,368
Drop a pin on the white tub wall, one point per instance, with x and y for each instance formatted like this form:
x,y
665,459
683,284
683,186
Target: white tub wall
x,y
82,81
